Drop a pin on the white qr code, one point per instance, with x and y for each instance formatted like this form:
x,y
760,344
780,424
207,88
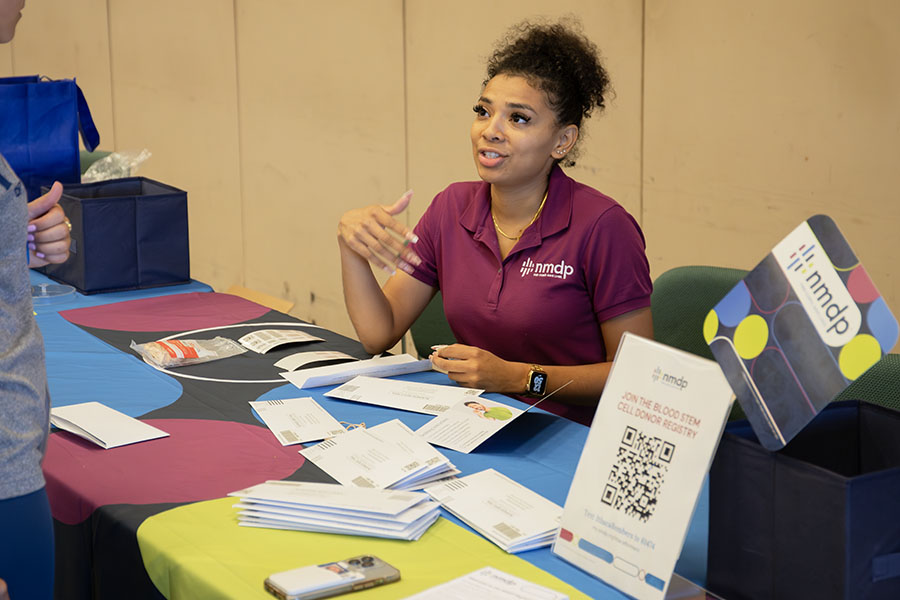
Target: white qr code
x,y
637,477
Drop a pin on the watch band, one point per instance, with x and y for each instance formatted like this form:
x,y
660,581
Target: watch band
x,y
536,385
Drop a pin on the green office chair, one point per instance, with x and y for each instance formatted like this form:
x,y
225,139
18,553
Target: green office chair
x,y
879,385
89,158
681,299
431,327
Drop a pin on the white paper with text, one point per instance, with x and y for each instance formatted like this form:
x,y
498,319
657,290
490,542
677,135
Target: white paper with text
x,y
297,420
263,340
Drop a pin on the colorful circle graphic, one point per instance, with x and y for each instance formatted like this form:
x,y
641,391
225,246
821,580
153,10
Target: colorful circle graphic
x,y
710,326
882,324
860,286
858,355
751,336
734,306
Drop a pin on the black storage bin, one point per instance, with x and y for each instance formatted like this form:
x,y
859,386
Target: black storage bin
x,y
818,519
126,234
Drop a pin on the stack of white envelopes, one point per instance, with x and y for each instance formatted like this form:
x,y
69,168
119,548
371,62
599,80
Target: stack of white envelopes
x,y
331,508
387,456
504,511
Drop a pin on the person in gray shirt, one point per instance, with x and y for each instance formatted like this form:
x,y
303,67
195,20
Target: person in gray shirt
x,y
37,233
26,528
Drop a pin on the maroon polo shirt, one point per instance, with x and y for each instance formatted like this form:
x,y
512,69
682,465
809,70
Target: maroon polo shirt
x,y
581,263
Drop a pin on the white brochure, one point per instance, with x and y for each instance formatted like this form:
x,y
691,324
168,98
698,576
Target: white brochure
x,y
334,516
295,361
333,497
428,398
347,525
488,582
468,423
654,435
382,366
334,508
265,339
411,533
504,511
297,420
104,426
389,455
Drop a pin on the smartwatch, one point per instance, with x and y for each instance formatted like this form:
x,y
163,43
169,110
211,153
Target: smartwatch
x,y
536,386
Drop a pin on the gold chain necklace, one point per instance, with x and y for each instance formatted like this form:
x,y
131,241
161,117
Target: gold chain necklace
x,y
530,223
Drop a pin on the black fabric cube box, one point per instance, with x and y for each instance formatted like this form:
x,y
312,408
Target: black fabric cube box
x,y
818,519
126,234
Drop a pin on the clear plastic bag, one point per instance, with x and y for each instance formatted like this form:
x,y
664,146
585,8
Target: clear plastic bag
x,y
178,353
116,166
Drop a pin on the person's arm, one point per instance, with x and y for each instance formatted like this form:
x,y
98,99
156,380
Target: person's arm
x,y
49,237
379,315
477,368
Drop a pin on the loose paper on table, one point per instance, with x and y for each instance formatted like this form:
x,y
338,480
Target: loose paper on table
x,y
488,583
297,420
428,398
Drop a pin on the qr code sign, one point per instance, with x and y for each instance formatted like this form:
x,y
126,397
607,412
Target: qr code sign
x,y
636,478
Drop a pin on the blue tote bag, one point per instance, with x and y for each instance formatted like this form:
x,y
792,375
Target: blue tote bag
x,y
40,120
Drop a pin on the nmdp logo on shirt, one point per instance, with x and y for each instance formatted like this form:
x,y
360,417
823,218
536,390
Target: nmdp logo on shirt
x,y
559,270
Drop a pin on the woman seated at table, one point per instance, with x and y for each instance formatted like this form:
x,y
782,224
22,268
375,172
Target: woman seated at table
x,y
540,275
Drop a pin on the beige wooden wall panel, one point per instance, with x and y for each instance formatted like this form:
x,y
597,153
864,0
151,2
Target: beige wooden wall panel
x,y
759,115
321,112
448,44
175,93
64,39
6,66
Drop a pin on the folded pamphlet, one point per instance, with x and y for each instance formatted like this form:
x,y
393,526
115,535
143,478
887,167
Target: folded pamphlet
x,y
504,511
104,426
387,456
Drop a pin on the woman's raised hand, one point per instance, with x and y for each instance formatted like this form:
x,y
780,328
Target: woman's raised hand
x,y
374,233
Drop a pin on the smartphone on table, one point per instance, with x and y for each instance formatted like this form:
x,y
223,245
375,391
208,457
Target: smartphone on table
x,y
331,579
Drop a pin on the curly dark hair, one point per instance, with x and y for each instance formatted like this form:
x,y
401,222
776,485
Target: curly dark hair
x,y
558,59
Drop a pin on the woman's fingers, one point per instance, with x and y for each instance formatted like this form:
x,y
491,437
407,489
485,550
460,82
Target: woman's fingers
x,y
374,233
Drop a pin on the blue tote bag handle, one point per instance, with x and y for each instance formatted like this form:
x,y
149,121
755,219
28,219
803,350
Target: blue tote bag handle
x,y
89,134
